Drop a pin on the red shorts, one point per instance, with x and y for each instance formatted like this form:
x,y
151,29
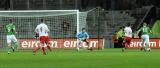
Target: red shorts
x,y
127,40
44,39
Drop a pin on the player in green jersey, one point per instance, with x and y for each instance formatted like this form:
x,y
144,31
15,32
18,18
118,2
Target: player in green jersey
x,y
11,39
145,31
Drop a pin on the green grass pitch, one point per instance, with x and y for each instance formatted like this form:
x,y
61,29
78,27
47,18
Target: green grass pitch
x,y
107,58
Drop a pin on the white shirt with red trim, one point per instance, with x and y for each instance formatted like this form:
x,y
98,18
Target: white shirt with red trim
x,y
128,31
42,29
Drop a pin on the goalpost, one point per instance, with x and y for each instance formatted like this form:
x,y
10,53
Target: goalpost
x,y
62,24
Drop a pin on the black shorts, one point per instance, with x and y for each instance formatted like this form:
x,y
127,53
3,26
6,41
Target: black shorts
x,y
84,40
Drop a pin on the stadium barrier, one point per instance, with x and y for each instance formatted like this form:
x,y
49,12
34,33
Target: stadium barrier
x,y
136,43
67,43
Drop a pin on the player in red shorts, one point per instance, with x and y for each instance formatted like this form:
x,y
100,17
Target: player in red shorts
x,y
42,30
127,36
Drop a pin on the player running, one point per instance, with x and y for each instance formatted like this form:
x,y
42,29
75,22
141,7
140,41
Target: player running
x,y
11,39
120,36
83,37
127,36
42,30
145,30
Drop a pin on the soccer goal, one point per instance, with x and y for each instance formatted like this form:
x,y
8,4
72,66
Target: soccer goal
x,y
63,25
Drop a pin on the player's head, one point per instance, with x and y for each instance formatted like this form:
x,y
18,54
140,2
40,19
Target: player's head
x,y
42,21
121,28
83,30
10,20
128,25
144,24
64,21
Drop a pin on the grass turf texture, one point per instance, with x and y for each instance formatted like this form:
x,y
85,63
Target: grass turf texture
x,y
107,58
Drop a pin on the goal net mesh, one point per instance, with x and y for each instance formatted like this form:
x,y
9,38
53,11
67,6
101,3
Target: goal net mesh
x,y
62,23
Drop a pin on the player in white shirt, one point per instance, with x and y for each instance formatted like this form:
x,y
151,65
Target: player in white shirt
x,y
42,30
127,36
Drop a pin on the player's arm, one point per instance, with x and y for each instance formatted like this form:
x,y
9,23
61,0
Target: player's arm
x,y
47,30
117,35
77,35
139,31
124,30
123,33
150,31
87,35
36,29
14,29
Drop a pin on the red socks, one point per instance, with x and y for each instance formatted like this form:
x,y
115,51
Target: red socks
x,y
49,48
43,49
36,49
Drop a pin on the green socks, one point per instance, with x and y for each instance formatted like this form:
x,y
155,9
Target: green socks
x,y
15,45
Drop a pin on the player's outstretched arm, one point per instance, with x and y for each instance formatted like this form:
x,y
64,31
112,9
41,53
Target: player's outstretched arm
x,y
150,31
15,31
77,35
36,30
138,31
47,29
87,35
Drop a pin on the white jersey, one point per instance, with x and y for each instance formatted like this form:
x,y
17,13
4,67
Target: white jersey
x,y
128,31
42,29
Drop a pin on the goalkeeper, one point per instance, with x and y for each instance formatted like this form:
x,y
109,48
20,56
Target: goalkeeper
x,y
83,37
11,39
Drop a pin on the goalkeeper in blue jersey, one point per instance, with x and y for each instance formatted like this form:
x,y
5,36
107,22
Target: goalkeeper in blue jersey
x,y
83,37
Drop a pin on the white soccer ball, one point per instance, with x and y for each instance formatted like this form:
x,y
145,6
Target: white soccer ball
x,y
148,49
77,49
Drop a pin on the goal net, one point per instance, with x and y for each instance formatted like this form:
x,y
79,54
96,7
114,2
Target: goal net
x,y
63,24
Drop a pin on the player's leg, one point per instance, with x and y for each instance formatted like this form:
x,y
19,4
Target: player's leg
x,y
127,42
15,42
42,40
78,44
47,41
143,42
9,41
43,48
42,45
48,46
36,48
87,43
147,48
124,44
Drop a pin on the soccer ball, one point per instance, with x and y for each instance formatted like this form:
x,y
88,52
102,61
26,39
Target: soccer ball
x,y
148,49
77,49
